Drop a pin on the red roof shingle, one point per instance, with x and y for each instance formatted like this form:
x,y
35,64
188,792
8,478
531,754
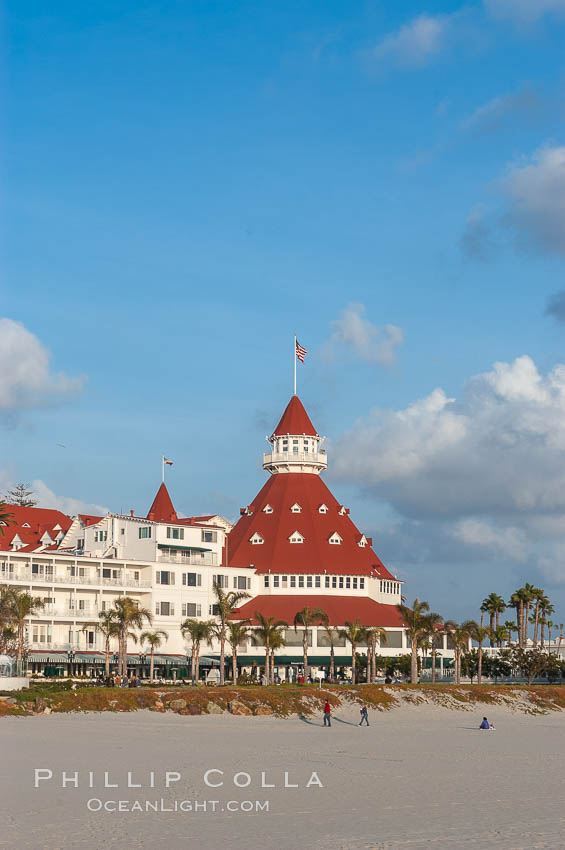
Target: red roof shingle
x,y
295,420
340,609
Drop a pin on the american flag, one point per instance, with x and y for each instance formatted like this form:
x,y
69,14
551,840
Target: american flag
x,y
301,352
167,461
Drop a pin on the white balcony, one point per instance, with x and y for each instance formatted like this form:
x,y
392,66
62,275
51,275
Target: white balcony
x,y
295,461
23,574
176,556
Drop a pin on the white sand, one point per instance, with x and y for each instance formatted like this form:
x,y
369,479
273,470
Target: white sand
x,y
418,777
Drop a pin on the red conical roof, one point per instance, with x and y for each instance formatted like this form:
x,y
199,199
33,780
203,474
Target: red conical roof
x,y
295,420
162,509
316,555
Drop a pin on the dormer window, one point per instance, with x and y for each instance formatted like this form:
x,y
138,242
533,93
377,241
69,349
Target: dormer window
x,y
296,509
323,509
26,525
296,537
335,539
267,509
256,539
343,510
363,542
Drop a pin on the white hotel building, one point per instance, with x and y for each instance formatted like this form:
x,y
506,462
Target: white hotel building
x,y
294,545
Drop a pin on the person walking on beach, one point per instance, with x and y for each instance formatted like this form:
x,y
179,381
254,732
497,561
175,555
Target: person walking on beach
x,y
327,714
364,715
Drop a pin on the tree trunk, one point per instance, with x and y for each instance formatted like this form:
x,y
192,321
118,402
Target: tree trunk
x,y
332,663
374,664
492,621
433,664
107,658
480,665
526,623
521,623
369,664
223,655
457,665
414,664
272,666
353,650
536,623
197,663
152,665
267,651
193,664
305,653
234,664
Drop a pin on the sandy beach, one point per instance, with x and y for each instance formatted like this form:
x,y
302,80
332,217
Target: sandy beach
x,y
418,777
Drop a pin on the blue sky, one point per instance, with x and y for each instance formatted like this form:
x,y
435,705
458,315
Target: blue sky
x,y
187,183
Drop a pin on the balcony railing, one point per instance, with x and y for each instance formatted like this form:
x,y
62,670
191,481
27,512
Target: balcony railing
x,y
178,557
26,575
314,458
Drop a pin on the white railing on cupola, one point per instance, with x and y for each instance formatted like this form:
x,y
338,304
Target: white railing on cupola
x,y
295,461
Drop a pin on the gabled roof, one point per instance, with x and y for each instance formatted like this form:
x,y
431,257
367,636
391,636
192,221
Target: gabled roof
x,y
30,525
316,555
340,609
88,519
162,509
295,420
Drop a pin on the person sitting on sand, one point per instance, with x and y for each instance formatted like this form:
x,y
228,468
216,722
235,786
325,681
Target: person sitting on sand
x,y
486,725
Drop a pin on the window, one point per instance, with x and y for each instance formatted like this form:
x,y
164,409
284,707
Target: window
x,y
145,532
241,583
296,537
100,536
122,531
362,542
348,583
295,638
334,581
222,581
293,581
335,539
394,639
300,581
192,579
323,640
164,577
361,583
275,581
381,586
317,582
355,583
256,539
266,580
285,445
267,509
341,582
308,581
209,536
214,610
327,581
190,609
175,533
296,509
165,609
323,509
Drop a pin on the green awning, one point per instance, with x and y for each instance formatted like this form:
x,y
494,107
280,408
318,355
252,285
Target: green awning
x,y
313,660
183,548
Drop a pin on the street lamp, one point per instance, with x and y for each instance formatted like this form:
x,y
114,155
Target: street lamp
x,y
70,659
142,660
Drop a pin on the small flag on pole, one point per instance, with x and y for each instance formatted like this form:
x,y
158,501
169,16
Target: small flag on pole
x,y
168,462
301,352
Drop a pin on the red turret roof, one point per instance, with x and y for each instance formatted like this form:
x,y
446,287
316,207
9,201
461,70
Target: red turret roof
x,y
295,420
162,509
340,609
316,554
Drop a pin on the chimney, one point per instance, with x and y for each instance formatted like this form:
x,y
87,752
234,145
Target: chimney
x,y
131,512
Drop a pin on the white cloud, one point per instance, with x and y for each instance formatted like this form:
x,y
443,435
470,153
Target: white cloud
x,y
415,43
367,341
535,190
26,380
46,498
523,11
508,542
525,103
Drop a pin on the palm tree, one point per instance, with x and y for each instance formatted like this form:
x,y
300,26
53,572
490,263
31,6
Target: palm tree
x,y
107,626
493,605
197,631
547,610
460,636
539,596
560,638
434,623
480,634
550,625
277,642
518,601
531,593
155,640
416,629
238,631
501,635
355,633
266,633
373,635
332,635
306,618
22,605
6,517
129,615
226,603
510,627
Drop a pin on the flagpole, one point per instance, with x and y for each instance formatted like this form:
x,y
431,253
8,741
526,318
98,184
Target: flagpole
x,y
294,359
163,468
